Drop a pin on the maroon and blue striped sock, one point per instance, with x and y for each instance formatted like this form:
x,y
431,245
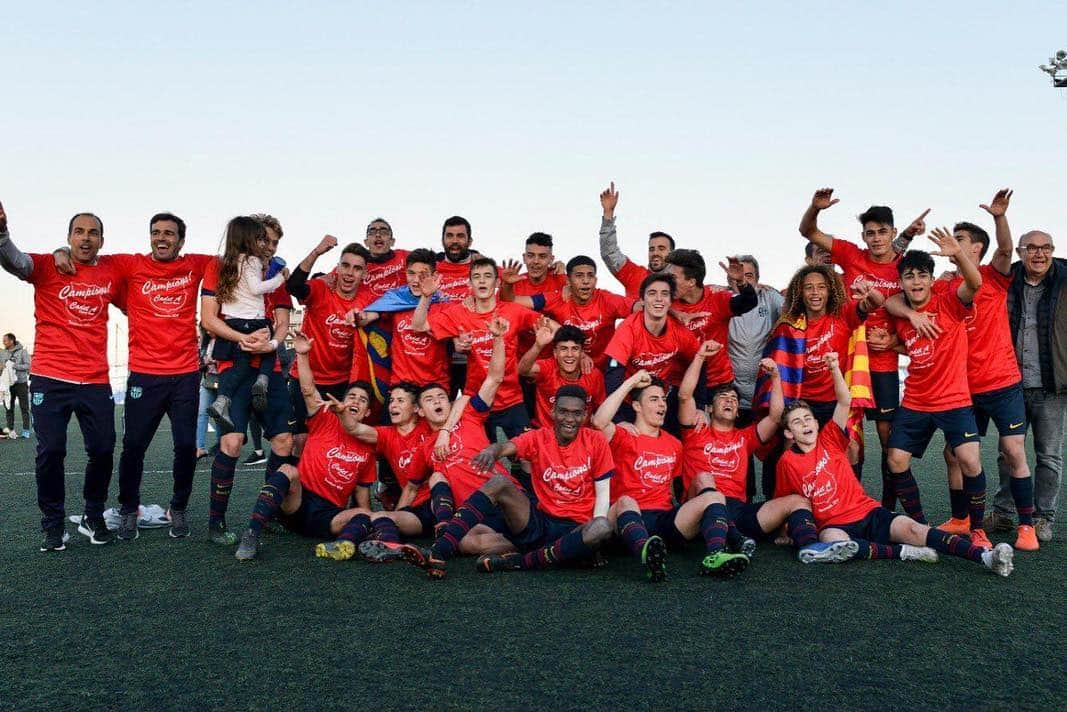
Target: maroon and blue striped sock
x,y
441,502
974,488
1022,491
908,492
274,461
714,527
871,550
801,528
569,547
471,513
358,528
889,493
958,501
633,532
385,529
269,500
221,485
953,545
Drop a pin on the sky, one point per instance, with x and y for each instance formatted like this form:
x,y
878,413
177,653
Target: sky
x,y
715,121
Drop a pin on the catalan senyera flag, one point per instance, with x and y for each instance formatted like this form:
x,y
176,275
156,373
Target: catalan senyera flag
x,y
858,378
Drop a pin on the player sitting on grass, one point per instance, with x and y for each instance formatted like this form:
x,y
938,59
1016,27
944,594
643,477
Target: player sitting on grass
x,y
816,467
566,520
721,452
449,458
647,460
311,498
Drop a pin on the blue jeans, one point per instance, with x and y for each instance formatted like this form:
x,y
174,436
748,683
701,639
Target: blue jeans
x,y
1045,413
207,397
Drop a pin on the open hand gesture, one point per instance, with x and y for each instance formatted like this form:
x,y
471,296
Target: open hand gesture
x,y
544,331
335,405
609,199
999,204
946,243
301,342
509,271
735,271
429,283
824,199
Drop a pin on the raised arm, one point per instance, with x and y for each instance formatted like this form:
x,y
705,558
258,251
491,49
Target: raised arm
x,y
998,208
297,283
766,428
746,298
609,241
542,337
948,247
841,392
428,286
809,223
687,406
494,375
12,260
302,345
601,420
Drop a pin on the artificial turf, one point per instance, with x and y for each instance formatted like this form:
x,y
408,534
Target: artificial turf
x,y
166,624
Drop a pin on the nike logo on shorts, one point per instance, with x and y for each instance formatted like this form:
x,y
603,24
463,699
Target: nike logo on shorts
x,y
1013,426
886,410
969,435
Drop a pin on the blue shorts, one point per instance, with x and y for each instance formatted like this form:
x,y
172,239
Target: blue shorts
x,y
885,387
424,513
313,517
1005,407
275,419
743,516
514,421
660,522
874,527
542,529
297,419
912,429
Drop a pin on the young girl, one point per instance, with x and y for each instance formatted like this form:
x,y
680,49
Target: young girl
x,y
240,293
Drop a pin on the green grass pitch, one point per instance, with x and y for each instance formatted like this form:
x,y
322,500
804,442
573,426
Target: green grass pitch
x,y
166,624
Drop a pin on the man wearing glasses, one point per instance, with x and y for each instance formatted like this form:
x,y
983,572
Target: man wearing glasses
x,y
1037,311
386,266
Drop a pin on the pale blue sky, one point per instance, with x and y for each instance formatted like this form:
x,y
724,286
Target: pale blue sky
x,y
715,121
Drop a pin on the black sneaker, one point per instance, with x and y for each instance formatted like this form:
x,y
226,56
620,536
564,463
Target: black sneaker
x,y
492,563
128,527
220,413
179,525
95,530
55,539
259,394
256,458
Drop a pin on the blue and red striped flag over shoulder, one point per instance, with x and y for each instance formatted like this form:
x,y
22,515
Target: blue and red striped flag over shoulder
x,y
786,346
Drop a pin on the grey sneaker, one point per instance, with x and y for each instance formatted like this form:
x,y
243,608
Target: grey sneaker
x,y
179,525
220,412
128,527
248,547
999,559
259,394
95,530
995,521
925,554
1043,529
55,539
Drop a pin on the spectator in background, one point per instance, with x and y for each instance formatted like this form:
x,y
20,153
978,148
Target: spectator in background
x,y
748,335
19,357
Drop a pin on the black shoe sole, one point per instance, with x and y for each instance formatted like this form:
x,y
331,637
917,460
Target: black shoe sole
x,y
656,561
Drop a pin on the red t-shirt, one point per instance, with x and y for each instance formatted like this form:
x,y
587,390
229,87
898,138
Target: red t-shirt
x,y
988,333
458,319
418,357
466,440
550,286
333,462
70,337
828,334
404,455
549,380
716,325
380,277
937,374
455,279
331,356
825,477
630,276
644,467
161,303
856,263
666,356
563,476
595,319
722,453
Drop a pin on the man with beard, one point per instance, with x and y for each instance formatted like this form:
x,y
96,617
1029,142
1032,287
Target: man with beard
x,y
629,273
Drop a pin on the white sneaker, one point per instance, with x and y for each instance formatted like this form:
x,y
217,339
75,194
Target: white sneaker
x,y
999,559
918,553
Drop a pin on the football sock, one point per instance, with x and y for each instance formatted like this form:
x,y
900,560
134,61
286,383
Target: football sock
x,y
871,550
889,495
441,502
569,547
473,512
714,527
974,488
221,484
633,532
274,461
801,527
385,529
958,501
358,528
953,545
269,500
908,493
1022,491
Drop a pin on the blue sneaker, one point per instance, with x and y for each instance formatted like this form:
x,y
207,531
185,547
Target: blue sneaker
x,y
832,552
25,434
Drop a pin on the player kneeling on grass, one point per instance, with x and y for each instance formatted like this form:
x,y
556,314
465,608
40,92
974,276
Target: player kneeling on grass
x,y
719,454
647,460
311,498
816,466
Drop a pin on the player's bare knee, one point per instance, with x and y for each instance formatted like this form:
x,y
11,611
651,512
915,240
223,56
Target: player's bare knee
x,y
626,504
290,472
796,502
898,460
282,444
596,532
496,486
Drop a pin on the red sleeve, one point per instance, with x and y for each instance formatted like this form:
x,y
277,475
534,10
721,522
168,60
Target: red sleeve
x,y
833,437
40,264
844,253
526,318
316,420
553,303
315,290
631,275
951,304
386,437
621,344
720,303
211,278
992,278
621,438
446,323
543,366
526,444
601,459
618,307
